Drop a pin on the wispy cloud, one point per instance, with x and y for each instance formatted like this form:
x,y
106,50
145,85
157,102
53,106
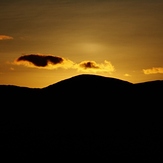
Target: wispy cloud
x,y
127,75
53,62
5,37
12,69
154,70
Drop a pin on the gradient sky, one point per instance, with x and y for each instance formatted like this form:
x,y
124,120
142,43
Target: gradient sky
x,y
43,42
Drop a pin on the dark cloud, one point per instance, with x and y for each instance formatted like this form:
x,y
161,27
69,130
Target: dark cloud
x,y
41,60
89,64
95,67
54,62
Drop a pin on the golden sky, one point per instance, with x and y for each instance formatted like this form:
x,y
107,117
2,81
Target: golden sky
x,y
43,42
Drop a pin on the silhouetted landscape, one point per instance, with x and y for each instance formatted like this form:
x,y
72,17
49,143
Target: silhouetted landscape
x,y
83,118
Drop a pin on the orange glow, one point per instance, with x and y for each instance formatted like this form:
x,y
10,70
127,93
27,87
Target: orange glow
x,y
109,38
4,37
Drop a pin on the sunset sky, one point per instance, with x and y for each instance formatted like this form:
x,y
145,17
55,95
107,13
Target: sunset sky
x,y
45,41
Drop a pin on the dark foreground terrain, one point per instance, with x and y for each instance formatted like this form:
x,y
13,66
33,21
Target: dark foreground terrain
x,y
83,118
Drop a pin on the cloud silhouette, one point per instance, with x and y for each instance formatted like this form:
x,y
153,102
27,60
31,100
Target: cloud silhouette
x,y
154,70
93,66
43,61
53,62
40,60
89,64
5,37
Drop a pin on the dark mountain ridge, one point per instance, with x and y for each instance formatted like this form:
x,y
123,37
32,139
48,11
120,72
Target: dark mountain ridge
x,y
89,88
88,79
83,117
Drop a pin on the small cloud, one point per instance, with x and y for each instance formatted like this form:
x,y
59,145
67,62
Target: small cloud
x,y
12,69
154,70
5,37
127,75
93,66
89,65
43,61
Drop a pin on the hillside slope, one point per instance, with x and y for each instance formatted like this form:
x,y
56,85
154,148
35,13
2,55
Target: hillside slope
x,y
84,117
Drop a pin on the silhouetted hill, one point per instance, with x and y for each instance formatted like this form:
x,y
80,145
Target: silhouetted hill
x,y
87,91
88,81
85,117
